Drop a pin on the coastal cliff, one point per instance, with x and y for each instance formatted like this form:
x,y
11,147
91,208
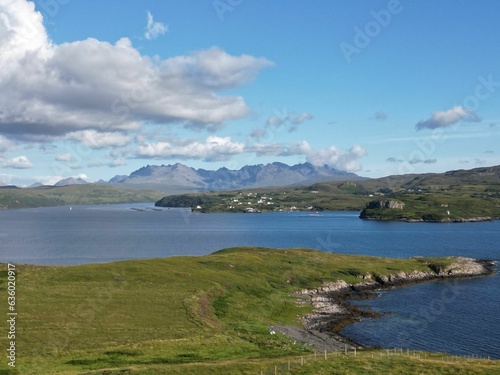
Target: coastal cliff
x,y
332,310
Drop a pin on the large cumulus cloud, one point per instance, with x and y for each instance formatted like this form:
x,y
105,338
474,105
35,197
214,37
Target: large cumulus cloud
x,y
51,90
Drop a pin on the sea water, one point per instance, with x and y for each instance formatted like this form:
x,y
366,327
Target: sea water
x,y
463,322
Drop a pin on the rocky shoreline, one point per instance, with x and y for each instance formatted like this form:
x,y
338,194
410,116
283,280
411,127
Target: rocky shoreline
x,y
332,310
476,219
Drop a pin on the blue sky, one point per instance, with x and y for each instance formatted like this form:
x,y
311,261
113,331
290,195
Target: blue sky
x,y
100,88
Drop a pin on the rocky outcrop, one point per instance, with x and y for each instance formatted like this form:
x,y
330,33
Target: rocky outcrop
x,y
390,204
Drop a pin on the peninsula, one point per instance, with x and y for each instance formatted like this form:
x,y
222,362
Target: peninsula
x,y
177,315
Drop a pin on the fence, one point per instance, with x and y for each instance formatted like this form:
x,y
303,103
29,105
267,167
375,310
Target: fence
x,y
286,365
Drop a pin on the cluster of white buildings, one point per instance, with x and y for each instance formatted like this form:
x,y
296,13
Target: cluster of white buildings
x,y
250,199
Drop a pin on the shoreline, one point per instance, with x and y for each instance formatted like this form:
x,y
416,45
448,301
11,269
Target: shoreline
x,y
322,328
476,219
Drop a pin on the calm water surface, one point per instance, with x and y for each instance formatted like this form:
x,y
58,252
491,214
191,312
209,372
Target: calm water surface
x,y
458,318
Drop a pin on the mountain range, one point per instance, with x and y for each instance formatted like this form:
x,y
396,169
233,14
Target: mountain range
x,y
179,176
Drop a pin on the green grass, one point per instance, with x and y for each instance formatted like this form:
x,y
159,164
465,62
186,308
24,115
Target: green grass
x,y
180,314
369,362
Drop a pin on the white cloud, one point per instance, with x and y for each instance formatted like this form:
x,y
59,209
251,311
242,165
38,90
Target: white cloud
x,y
18,162
212,149
93,85
334,157
224,148
442,119
154,29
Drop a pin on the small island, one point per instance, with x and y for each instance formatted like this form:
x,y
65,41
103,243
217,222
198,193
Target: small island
x,y
430,209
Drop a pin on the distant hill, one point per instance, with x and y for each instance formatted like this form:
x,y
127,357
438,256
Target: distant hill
x,y
45,196
71,181
454,196
179,176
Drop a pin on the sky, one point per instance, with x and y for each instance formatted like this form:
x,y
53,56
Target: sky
x,y
95,89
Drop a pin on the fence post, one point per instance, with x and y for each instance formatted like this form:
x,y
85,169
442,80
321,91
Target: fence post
x,y
288,365
302,360
326,356
345,349
275,370
314,356
355,352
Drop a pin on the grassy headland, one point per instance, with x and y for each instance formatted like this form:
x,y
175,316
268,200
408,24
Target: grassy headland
x,y
185,315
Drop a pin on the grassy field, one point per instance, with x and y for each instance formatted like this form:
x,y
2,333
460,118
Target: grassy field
x,y
187,315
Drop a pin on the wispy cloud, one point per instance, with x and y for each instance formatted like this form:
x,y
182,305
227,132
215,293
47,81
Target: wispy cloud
x,y
420,161
154,29
64,157
392,159
258,133
291,119
442,119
